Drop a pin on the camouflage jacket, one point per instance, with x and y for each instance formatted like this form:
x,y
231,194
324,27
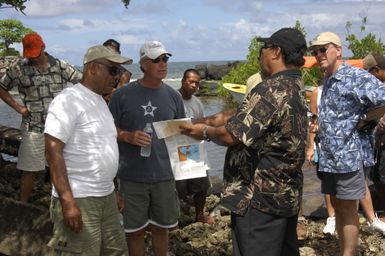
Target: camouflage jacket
x,y
264,171
38,88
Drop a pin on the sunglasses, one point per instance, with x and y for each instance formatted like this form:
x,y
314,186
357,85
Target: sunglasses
x,y
161,58
113,70
321,50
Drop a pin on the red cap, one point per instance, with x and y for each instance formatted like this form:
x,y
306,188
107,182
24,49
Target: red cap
x,y
32,45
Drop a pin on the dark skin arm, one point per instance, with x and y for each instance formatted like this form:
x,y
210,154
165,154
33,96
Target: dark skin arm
x,y
7,98
218,119
54,155
215,128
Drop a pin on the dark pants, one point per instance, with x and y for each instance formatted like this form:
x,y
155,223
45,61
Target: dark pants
x,y
258,233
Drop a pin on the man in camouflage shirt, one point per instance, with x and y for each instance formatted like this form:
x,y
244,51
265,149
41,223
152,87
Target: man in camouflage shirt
x,y
38,78
266,138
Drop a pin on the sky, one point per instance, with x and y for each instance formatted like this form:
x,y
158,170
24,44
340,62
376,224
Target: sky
x,y
192,30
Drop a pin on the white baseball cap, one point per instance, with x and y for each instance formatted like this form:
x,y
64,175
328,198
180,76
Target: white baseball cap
x,y
152,50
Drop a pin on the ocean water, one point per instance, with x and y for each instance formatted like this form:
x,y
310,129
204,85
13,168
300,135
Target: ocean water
x,y
175,70
10,118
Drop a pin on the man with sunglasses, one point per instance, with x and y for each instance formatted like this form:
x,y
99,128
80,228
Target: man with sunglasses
x,y
147,183
348,93
82,152
38,78
125,75
266,138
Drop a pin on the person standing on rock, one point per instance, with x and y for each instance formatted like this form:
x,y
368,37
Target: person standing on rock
x,y
147,183
38,78
348,93
82,153
267,139
197,187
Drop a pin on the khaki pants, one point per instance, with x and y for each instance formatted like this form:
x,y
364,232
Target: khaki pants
x,y
101,233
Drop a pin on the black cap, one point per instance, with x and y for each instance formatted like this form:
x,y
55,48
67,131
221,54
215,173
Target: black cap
x,y
290,39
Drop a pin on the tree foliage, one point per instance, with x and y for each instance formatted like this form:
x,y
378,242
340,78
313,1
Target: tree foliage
x,y
19,5
11,31
362,46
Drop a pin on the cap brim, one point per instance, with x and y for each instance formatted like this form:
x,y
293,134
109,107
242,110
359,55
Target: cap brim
x,y
263,39
31,53
119,59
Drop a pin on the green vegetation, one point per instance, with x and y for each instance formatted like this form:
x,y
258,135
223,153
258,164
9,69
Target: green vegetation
x,y
360,47
11,31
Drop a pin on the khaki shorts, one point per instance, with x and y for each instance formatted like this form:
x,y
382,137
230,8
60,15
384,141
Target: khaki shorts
x,y
101,234
31,156
149,203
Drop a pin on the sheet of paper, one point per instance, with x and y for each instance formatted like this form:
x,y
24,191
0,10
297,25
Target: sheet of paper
x,y
169,128
188,157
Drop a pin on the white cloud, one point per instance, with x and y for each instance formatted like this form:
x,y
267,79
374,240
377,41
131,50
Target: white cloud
x,y
50,8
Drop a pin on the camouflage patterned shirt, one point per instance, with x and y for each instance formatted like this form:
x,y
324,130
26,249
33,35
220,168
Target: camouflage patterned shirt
x,y
264,171
38,88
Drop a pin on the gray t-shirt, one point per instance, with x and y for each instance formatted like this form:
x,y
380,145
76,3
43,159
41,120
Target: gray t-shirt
x,y
133,106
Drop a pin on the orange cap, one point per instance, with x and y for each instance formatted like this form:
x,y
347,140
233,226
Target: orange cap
x,y
32,45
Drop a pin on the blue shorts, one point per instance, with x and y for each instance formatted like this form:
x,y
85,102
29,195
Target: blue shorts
x,y
345,186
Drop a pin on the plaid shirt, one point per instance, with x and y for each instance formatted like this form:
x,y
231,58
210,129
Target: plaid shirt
x,y
264,171
348,94
38,88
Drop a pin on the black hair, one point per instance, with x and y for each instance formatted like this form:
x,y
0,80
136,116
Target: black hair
x,y
113,43
190,70
294,57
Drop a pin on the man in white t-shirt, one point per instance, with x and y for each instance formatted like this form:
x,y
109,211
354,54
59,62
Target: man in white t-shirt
x,y
82,153
197,187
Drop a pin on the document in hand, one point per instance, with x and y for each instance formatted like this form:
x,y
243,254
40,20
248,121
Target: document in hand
x,y
188,156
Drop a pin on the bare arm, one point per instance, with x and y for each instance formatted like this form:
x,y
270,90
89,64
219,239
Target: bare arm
x,y
7,98
218,119
219,135
314,110
54,155
138,138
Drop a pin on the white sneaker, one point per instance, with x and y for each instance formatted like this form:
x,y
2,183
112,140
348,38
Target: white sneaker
x,y
330,226
377,226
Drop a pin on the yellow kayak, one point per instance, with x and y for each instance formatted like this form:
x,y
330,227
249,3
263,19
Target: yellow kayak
x,y
237,90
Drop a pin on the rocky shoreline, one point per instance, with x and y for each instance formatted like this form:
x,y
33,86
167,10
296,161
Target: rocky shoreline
x,y
25,228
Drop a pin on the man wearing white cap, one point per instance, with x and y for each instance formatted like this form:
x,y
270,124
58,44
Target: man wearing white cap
x,y
82,153
348,93
146,180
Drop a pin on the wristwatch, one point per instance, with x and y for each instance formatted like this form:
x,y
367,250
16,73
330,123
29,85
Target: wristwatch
x,y
204,134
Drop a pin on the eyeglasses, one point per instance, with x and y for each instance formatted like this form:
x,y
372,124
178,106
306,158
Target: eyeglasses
x,y
113,70
321,50
163,58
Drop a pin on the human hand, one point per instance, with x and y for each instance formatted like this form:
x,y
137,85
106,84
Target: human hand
x,y
310,155
23,110
119,201
72,216
193,130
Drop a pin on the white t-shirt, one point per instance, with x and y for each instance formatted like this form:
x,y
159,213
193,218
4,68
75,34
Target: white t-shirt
x,y
193,107
81,119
